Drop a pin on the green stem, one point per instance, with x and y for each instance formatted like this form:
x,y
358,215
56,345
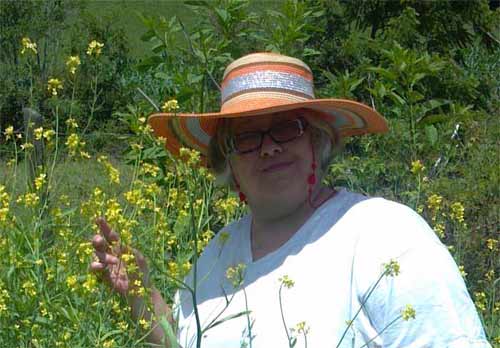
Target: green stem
x,y
360,308
380,333
195,267
249,325
283,317
94,101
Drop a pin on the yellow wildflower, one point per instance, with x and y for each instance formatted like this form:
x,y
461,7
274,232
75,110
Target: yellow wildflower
x,y
417,167
408,313
461,269
84,154
150,169
109,343
191,157
4,296
29,199
392,268
186,266
29,288
94,48
4,204
226,207
114,210
74,144
71,282
434,202
144,323
26,146
71,123
439,229
48,134
40,181
53,85
173,269
223,238
170,106
492,244
38,132
90,283
72,63
113,173
457,212
302,328
480,300
9,132
236,274
27,44
286,282
490,275
123,326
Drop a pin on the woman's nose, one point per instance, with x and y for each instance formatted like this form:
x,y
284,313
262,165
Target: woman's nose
x,y
269,147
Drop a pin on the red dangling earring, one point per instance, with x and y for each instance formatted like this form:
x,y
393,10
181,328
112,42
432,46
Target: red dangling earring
x,y
243,198
311,179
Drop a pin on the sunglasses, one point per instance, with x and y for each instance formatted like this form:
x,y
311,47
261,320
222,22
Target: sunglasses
x,y
280,133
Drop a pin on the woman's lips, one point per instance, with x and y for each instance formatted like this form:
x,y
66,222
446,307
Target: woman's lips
x,y
276,167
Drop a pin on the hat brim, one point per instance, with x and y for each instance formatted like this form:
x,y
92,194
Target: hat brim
x,y
195,130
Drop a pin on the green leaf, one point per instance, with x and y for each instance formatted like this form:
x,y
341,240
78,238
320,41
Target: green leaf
x,y
110,333
355,84
181,225
147,36
415,96
229,317
417,77
436,118
153,153
431,134
149,62
397,98
194,78
383,72
162,75
223,15
196,3
169,332
159,47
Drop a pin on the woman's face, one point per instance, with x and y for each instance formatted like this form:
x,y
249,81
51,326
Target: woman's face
x,y
274,176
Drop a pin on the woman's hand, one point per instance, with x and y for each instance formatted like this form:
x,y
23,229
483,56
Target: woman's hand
x,y
110,264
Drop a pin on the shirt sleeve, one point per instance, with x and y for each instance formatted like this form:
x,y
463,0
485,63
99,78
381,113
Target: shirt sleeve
x,y
429,281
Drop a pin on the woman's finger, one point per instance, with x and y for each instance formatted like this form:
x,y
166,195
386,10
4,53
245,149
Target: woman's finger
x,y
110,235
106,258
97,266
99,243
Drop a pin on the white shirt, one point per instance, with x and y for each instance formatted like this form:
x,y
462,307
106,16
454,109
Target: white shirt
x,y
335,259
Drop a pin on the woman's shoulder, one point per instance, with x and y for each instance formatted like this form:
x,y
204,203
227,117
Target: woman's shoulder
x,y
383,223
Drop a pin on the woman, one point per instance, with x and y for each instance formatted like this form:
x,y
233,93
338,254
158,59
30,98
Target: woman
x,y
310,265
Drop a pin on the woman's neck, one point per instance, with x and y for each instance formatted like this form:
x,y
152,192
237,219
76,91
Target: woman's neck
x,y
269,233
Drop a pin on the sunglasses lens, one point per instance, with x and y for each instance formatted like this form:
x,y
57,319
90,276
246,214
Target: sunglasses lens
x,y
286,131
247,142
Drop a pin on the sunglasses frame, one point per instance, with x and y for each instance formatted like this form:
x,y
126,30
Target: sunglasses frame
x,y
302,125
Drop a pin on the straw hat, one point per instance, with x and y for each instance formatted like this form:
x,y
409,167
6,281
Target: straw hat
x,y
259,84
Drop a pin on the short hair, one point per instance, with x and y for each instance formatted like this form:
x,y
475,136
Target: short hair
x,y
325,138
